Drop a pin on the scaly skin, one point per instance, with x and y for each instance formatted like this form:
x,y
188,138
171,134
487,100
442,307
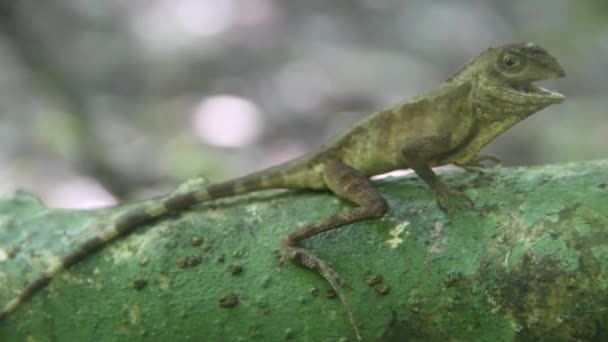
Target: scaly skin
x,y
448,124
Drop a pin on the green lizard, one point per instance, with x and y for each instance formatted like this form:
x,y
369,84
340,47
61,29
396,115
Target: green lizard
x,y
448,124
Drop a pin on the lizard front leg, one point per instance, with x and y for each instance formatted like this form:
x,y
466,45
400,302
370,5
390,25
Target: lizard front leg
x,y
350,184
417,156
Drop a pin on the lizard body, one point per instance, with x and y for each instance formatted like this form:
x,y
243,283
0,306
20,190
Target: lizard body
x,y
448,124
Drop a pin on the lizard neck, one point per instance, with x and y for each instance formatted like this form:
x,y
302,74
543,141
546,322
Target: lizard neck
x,y
492,121
494,114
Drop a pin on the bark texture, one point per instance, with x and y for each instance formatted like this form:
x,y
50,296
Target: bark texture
x,y
529,263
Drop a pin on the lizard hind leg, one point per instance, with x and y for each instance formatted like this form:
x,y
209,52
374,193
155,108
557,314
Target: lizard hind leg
x,y
350,184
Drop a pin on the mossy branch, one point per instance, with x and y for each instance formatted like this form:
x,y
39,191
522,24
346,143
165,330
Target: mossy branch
x,y
530,262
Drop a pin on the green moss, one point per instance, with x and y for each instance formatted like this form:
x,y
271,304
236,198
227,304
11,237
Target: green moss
x,y
550,246
601,253
509,270
515,256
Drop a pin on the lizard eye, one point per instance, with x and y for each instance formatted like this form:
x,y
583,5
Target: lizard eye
x,y
510,61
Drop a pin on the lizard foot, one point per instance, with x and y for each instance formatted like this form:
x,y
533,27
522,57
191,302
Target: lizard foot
x,y
312,261
337,283
444,198
477,163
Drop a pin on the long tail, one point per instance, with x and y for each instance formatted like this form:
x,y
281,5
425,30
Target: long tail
x,y
127,222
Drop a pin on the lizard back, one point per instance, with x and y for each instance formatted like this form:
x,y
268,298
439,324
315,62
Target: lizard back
x,y
374,144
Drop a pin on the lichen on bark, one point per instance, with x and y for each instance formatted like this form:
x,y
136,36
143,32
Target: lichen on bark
x,y
528,263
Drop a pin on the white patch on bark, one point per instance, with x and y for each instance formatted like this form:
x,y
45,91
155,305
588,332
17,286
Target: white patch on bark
x,y
395,240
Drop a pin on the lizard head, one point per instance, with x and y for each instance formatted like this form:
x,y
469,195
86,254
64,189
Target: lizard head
x,y
505,77
518,65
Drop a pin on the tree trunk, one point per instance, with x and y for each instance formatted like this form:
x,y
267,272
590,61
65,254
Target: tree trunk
x,y
530,262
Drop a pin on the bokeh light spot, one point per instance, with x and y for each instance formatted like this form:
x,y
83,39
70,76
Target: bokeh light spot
x,y
205,18
79,193
227,121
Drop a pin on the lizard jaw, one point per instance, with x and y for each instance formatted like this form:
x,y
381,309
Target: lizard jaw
x,y
532,90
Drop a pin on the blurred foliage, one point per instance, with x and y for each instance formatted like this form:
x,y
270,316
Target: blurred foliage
x,y
102,100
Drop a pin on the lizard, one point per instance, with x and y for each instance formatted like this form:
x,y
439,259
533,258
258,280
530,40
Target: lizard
x,y
448,124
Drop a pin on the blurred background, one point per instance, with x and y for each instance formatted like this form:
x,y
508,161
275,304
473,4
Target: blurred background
x,y
107,101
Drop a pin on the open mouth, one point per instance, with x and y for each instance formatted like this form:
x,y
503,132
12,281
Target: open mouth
x,y
534,90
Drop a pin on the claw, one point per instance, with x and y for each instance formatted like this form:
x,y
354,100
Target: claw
x,y
477,162
337,283
444,195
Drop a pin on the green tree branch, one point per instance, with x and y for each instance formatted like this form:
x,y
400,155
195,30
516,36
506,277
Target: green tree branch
x,y
529,263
